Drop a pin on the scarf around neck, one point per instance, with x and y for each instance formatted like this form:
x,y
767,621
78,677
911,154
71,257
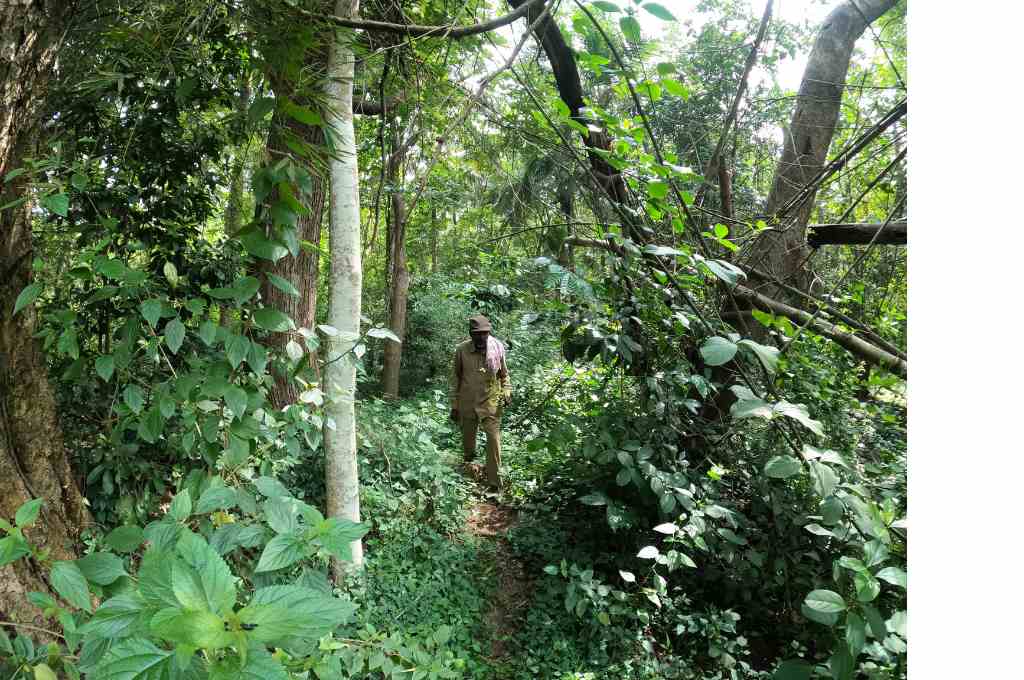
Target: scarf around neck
x,y
495,354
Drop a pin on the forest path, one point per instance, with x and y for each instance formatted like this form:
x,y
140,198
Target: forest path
x,y
489,519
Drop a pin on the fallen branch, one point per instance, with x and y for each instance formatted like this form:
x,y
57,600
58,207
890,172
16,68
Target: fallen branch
x,y
866,331
855,345
856,234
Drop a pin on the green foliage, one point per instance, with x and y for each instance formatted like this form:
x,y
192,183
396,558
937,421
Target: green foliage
x,y
196,590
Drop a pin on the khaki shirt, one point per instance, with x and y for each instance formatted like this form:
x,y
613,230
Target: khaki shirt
x,y
473,386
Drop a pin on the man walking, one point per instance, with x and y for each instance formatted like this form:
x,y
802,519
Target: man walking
x,y
480,389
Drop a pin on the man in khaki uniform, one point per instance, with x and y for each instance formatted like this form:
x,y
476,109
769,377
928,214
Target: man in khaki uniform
x,y
480,388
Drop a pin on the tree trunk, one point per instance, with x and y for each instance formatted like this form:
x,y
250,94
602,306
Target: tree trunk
x,y
346,285
33,461
805,145
399,274
303,271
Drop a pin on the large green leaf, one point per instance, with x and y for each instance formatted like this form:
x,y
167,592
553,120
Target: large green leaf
x,y
282,284
57,203
823,478
893,575
856,633
261,247
208,332
27,296
69,582
782,467
216,498
630,28
174,335
717,351
202,579
840,664
282,514
658,11
270,487
875,622
605,6
28,512
135,659
237,400
101,568
282,551
105,366
825,601
133,397
151,311
282,612
272,320
202,629
866,585
769,356
824,618
12,548
156,585
726,271
124,539
181,506
237,346
244,288
116,617
751,408
798,412
338,538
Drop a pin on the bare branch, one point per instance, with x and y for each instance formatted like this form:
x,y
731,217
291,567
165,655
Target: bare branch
x,y
415,31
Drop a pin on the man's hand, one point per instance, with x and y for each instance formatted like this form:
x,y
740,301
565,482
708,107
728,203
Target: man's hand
x,y
454,415
506,399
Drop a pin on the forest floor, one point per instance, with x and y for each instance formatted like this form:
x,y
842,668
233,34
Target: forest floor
x,y
489,519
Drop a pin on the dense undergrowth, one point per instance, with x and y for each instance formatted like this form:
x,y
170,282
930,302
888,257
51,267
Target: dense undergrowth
x,y
757,565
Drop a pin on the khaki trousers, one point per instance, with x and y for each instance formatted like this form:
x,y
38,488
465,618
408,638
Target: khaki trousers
x,y
491,425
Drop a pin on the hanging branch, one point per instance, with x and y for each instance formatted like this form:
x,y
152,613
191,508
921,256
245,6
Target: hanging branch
x,y
415,31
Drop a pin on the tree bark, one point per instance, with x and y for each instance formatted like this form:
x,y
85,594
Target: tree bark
x,y
33,461
399,273
893,234
806,142
346,285
302,271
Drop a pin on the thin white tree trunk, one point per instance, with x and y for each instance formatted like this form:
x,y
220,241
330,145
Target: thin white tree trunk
x,y
346,286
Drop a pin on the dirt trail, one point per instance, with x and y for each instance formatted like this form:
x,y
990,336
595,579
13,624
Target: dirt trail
x,y
514,586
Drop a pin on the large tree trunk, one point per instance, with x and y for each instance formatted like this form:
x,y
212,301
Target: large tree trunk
x,y
346,285
303,271
783,253
399,273
33,461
